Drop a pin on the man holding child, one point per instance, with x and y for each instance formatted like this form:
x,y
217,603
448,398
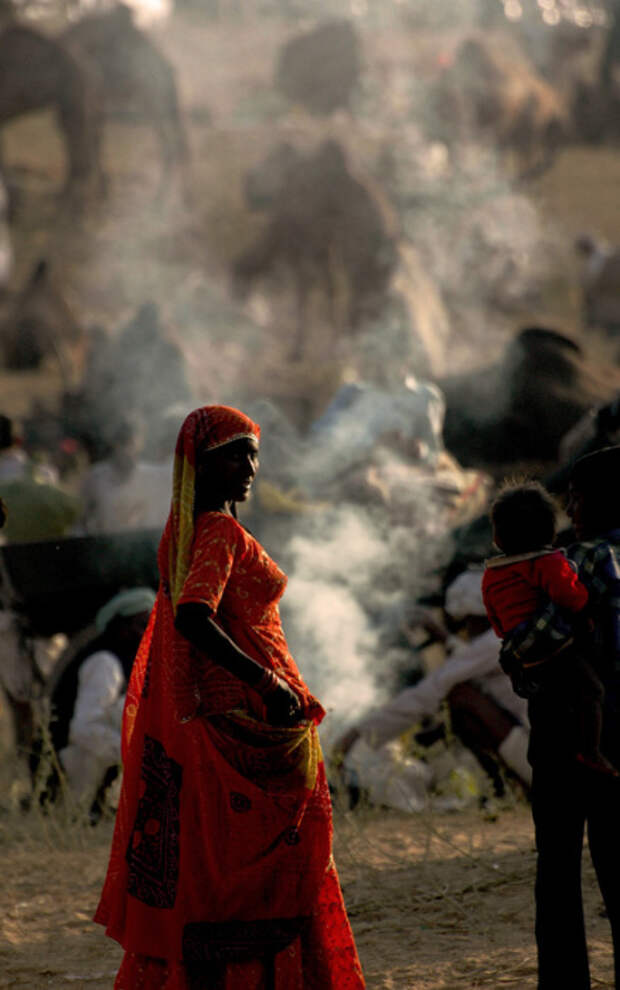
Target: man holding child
x,y
573,787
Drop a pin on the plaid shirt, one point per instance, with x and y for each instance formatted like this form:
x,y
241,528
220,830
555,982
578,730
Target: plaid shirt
x,y
598,566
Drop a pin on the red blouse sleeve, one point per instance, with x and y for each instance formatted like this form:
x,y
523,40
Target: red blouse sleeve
x,y
559,580
214,550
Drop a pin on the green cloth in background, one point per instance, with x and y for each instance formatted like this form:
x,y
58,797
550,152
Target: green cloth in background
x,y
37,511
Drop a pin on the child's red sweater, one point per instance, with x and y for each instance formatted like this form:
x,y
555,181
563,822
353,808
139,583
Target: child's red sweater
x,y
514,588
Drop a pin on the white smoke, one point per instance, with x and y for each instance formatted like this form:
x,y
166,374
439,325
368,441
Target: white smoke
x,y
355,576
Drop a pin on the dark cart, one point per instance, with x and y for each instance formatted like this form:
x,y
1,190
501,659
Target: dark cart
x,y
58,585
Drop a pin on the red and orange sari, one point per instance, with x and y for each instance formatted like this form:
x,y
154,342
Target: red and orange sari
x,y
220,874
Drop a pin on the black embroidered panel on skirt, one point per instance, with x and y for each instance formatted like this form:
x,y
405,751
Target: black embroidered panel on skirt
x,y
153,853
240,802
229,941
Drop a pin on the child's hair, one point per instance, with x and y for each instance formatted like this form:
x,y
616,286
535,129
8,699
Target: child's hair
x,y
524,517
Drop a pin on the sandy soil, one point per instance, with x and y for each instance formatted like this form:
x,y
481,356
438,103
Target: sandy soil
x,y
436,902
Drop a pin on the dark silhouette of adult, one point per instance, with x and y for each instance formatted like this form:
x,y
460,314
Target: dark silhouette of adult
x,y
568,797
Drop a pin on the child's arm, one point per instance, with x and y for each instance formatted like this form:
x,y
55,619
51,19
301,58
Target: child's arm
x,y
558,579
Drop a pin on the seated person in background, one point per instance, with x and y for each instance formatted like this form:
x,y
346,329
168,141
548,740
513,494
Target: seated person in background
x,y
517,584
88,698
486,714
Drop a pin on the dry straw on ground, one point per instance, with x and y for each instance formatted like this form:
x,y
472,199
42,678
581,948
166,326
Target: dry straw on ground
x,y
437,902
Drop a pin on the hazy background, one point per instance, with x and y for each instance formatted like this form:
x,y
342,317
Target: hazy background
x,y
481,208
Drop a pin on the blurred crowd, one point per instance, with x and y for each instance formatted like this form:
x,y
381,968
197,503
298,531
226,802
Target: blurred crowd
x,y
370,267
433,713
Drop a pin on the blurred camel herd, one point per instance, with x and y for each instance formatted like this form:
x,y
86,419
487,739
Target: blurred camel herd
x,y
102,64
332,232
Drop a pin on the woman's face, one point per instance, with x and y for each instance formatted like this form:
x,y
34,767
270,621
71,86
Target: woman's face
x,y
227,473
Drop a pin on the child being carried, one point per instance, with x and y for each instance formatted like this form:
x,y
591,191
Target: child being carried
x,y
516,585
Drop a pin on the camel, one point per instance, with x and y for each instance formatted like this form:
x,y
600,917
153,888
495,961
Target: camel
x,y
58,80
326,228
135,76
600,284
490,92
590,76
519,408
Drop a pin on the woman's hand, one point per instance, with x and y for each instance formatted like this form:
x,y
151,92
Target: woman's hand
x,y
283,706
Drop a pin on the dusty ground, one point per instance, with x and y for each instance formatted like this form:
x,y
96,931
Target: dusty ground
x,y
436,902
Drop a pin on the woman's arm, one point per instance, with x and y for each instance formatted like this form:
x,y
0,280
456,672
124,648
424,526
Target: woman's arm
x,y
194,621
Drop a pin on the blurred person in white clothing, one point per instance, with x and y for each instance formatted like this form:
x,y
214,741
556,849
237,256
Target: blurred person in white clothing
x,y
123,492
88,699
486,714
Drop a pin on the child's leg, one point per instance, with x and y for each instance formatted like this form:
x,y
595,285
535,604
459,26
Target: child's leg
x,y
589,694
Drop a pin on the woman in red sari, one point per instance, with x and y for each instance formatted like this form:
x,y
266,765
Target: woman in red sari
x,y
220,874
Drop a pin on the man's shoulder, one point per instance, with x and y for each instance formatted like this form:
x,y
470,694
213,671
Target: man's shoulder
x,y
599,548
598,561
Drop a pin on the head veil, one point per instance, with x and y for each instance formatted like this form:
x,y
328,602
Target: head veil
x,y
203,430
